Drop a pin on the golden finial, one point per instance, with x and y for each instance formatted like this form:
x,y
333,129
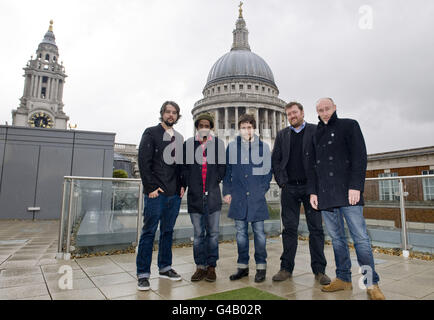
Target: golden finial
x,y
241,9
51,26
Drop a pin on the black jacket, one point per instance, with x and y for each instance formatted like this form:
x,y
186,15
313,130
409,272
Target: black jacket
x,y
338,162
154,171
281,151
192,174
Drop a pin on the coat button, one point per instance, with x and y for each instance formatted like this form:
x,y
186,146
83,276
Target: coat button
x,y
331,174
330,142
318,161
330,158
247,175
248,193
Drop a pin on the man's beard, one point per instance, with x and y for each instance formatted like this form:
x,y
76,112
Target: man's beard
x,y
169,124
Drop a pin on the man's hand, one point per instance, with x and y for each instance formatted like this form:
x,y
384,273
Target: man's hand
x,y
314,201
181,194
353,197
155,194
228,199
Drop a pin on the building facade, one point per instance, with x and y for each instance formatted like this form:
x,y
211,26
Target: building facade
x,y
44,78
242,82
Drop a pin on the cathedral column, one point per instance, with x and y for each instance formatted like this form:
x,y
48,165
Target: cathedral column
x,y
217,127
226,120
266,132
39,95
56,90
35,85
60,91
280,121
236,118
274,133
32,85
48,89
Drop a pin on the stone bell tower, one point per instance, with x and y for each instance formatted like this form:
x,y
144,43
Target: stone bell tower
x,y
41,104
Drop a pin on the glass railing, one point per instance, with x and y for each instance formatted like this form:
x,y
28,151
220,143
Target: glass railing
x,y
400,210
104,214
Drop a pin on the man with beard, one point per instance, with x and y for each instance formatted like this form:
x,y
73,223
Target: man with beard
x,y
160,158
290,163
203,170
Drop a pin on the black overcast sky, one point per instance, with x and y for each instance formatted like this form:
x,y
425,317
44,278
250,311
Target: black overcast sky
x,y
125,58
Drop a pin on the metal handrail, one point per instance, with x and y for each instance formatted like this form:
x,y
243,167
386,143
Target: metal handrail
x,y
401,177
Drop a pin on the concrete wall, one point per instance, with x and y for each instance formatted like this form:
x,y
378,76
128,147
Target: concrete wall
x,y
33,162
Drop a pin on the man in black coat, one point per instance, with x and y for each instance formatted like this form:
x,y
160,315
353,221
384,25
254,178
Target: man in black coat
x,y
289,160
160,158
336,180
203,170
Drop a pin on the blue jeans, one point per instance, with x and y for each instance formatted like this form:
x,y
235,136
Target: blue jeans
x,y
334,221
243,244
206,238
163,210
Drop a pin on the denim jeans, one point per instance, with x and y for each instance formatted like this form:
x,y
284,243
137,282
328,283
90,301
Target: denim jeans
x,y
334,221
243,244
206,238
292,197
162,210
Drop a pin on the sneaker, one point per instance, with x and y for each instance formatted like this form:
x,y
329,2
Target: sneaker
x,y
282,275
323,279
210,274
260,276
200,274
171,274
143,284
241,273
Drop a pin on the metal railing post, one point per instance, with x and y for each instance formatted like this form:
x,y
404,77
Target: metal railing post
x,y
404,235
62,215
68,235
139,214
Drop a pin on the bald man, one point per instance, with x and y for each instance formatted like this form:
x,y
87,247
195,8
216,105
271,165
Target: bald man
x,y
336,179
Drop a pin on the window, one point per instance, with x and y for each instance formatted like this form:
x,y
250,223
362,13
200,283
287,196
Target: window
x,y
43,92
226,88
249,86
218,89
428,186
233,87
241,87
44,79
263,89
256,88
47,57
389,188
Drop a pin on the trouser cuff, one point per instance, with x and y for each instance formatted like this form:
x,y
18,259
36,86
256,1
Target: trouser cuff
x,y
261,267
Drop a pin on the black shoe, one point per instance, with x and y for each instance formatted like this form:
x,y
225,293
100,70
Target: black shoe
x,y
171,274
143,284
241,273
260,275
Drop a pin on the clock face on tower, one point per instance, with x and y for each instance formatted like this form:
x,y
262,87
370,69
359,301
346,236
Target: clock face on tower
x,y
41,120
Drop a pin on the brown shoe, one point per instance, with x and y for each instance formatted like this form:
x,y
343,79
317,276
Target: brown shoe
x,y
200,274
374,293
282,275
210,274
337,285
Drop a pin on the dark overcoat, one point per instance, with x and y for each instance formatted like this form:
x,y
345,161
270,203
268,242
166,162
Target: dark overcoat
x,y
338,162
